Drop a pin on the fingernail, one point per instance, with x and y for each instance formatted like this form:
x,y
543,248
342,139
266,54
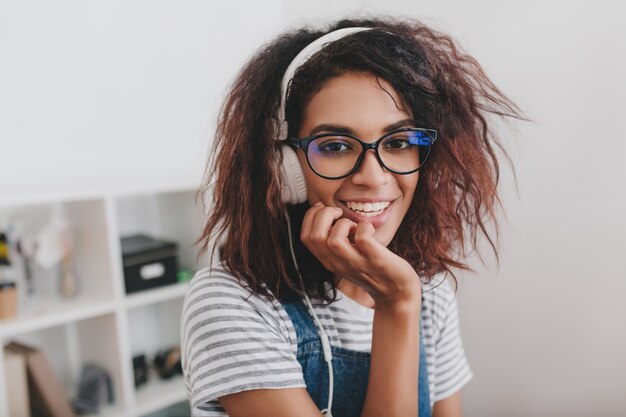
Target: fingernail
x,y
318,204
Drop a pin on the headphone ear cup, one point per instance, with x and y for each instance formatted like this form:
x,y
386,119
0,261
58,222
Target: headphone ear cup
x,y
294,186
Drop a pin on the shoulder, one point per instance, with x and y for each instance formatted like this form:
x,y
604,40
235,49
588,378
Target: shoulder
x,y
216,294
215,280
232,340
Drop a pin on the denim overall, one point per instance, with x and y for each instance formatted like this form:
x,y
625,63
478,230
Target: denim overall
x,y
351,369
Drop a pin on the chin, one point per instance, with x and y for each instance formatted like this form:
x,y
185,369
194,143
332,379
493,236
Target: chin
x,y
383,239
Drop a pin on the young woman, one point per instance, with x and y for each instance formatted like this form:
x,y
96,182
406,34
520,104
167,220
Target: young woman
x,y
353,169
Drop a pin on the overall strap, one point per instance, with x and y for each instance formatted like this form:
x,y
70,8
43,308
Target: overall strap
x,y
423,388
303,323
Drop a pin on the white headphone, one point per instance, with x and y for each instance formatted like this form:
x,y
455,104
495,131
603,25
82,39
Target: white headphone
x,y
294,190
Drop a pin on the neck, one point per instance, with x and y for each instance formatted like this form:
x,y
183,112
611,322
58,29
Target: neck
x,y
356,293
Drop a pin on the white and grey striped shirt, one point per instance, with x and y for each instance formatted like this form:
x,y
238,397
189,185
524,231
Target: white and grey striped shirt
x,y
232,341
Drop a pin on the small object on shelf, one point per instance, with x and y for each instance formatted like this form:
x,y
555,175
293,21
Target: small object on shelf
x,y
167,362
148,262
4,250
54,248
49,240
68,282
184,275
8,293
8,300
26,249
95,389
140,369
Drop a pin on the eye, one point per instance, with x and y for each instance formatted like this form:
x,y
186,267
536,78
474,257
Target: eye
x,y
397,142
333,146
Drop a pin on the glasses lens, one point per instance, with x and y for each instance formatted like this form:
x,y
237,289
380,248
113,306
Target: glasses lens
x,y
333,156
405,151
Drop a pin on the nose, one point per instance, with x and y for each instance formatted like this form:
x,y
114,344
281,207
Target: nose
x,y
371,173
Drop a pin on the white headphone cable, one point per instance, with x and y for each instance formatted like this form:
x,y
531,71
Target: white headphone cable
x,y
328,356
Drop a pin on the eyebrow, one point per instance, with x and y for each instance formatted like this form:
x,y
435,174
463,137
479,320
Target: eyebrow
x,y
344,129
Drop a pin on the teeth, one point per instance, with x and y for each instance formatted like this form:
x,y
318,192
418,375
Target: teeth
x,y
368,209
370,213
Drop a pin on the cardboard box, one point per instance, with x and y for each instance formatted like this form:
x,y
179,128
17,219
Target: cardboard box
x,y
47,396
17,383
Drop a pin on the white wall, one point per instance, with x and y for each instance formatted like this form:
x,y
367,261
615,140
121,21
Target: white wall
x,y
110,92
103,92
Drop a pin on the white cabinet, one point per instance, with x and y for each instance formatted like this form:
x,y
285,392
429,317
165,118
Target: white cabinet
x,y
102,324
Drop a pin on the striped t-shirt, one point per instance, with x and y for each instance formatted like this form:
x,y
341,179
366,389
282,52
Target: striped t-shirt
x,y
232,341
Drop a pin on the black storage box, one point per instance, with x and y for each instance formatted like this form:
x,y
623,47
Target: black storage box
x,y
148,262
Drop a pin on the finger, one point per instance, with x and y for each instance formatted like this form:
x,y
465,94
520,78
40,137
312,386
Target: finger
x,y
366,243
307,220
339,241
322,223
316,231
316,241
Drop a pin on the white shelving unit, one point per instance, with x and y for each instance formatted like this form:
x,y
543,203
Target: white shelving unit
x,y
102,324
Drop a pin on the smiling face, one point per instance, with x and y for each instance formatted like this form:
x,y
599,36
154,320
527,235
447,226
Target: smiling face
x,y
355,102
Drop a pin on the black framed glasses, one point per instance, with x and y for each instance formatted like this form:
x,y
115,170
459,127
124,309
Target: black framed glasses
x,y
337,155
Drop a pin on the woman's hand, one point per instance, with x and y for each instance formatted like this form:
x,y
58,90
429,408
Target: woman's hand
x,y
389,279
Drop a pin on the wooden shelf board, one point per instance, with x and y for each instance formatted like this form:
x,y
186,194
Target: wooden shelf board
x,y
109,411
55,314
159,393
156,295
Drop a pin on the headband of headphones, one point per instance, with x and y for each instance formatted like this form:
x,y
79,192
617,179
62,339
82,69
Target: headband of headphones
x,y
302,57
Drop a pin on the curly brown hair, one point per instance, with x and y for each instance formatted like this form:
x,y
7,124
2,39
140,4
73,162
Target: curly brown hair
x,y
456,195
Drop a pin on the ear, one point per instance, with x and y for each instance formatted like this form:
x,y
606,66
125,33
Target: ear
x,y
294,188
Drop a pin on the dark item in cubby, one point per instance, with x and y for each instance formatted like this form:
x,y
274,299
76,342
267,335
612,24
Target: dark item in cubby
x,y
140,370
148,262
167,362
94,390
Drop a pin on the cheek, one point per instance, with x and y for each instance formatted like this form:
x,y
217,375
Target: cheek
x,y
319,189
408,184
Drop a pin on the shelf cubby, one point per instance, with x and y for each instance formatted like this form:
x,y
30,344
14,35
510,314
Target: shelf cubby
x,y
102,324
